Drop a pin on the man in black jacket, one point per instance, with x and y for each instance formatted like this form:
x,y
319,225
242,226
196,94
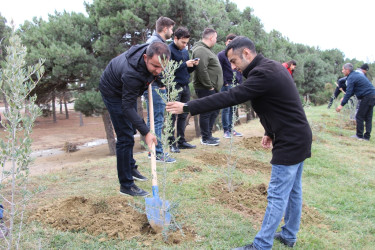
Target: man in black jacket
x,y
125,78
276,101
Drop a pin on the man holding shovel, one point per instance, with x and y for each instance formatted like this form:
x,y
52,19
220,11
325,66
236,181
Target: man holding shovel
x,y
125,78
276,100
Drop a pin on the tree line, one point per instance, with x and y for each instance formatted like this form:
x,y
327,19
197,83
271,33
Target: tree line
x,y
76,48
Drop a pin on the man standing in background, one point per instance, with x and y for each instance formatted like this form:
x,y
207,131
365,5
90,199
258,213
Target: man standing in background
x,y
208,80
164,31
182,78
358,84
229,75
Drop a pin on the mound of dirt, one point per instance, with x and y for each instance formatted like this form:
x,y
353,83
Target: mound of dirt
x,y
251,201
253,143
246,165
112,217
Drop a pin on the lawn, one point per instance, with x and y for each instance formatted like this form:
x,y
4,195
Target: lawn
x,y
338,185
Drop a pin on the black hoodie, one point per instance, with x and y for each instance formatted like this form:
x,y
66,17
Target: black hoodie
x,y
127,77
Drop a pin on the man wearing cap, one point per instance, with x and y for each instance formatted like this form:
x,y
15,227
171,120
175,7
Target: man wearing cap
x,y
363,69
359,85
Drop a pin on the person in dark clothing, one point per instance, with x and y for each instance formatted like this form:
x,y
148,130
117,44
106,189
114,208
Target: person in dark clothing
x,y
228,73
359,85
341,87
182,78
125,78
276,100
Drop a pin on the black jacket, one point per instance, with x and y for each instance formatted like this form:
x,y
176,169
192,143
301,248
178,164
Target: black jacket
x,y
275,99
127,77
182,74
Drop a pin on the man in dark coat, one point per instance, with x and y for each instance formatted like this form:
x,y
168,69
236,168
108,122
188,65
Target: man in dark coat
x,y
362,88
125,78
275,99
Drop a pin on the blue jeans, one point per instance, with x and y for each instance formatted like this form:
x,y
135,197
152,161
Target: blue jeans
x,y
125,140
227,113
284,196
159,108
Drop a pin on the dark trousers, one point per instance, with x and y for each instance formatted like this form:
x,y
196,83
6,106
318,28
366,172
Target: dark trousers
x,y
206,120
125,140
183,96
364,115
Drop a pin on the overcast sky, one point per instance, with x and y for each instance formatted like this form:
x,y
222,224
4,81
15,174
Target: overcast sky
x,y
343,24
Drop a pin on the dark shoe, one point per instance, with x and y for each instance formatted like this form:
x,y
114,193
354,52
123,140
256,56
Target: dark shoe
x,y
215,138
137,175
287,243
165,158
133,191
247,247
186,145
209,142
175,149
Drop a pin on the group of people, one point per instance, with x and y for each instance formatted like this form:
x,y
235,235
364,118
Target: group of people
x,y
268,85
355,82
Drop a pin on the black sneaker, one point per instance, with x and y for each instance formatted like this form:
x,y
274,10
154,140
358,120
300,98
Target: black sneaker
x,y
175,149
215,139
133,191
287,243
138,176
209,142
186,145
247,247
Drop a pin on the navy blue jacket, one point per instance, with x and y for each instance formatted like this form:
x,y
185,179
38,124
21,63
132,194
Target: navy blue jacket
x,y
127,77
357,84
182,74
276,101
227,70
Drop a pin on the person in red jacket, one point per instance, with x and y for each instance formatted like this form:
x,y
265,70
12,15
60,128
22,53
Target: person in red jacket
x,y
290,66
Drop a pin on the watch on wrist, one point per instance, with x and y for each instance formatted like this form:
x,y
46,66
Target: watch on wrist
x,y
185,108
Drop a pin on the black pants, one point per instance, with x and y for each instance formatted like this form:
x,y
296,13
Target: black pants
x,y
206,120
364,114
183,96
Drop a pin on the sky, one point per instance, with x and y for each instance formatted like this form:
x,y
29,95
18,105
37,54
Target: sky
x,y
327,24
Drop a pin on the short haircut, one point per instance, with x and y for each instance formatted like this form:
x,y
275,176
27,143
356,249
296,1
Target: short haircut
x,y
291,62
348,66
208,32
163,22
240,43
231,36
159,49
182,32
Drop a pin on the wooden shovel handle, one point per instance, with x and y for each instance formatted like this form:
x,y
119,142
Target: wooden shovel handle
x,y
152,129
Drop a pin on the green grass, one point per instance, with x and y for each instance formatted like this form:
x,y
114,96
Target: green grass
x,y
338,184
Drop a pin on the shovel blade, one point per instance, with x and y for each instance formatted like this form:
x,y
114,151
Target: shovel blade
x,y
157,212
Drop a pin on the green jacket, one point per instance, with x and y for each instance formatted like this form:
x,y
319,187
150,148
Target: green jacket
x,y
208,73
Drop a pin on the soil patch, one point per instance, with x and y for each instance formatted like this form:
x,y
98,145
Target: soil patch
x,y
246,165
251,202
253,143
111,217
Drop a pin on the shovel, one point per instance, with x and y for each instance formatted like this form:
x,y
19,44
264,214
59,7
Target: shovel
x,y
157,210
